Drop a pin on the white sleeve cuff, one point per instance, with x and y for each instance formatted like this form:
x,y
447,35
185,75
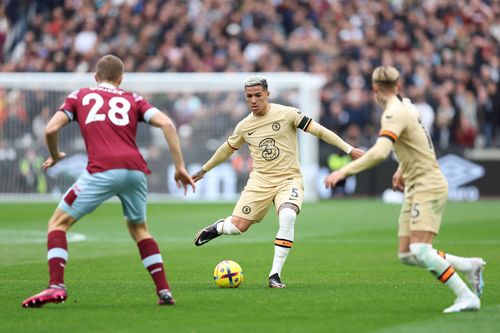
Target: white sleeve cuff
x,y
349,150
70,115
150,113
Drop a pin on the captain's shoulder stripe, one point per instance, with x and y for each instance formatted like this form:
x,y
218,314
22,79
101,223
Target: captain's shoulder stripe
x,y
304,123
388,134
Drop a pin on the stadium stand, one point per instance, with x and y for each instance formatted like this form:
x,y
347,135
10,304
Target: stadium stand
x,y
448,52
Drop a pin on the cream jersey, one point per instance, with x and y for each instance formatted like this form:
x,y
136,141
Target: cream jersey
x,y
412,145
273,143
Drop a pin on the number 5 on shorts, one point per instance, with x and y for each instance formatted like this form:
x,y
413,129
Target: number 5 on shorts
x,y
415,211
294,195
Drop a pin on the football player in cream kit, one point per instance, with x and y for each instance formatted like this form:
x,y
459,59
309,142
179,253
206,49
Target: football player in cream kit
x,y
425,189
270,130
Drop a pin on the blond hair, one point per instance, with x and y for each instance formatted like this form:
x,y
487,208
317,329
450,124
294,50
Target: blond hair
x,y
256,81
109,68
386,77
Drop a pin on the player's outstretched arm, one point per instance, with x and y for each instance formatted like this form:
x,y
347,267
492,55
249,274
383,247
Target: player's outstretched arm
x,y
373,156
199,175
182,178
58,121
333,139
356,153
220,155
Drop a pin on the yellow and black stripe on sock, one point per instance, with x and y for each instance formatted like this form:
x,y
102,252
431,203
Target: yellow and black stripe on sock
x,y
281,242
446,275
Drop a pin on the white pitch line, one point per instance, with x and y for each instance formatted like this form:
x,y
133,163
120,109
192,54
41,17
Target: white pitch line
x,y
13,236
19,236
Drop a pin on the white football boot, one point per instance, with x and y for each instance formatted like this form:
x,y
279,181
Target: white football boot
x,y
465,303
475,276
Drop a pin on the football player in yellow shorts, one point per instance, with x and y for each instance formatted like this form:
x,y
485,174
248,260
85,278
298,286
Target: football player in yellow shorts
x,y
425,188
270,130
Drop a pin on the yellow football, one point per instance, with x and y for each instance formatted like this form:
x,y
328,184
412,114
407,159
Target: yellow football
x,y
228,274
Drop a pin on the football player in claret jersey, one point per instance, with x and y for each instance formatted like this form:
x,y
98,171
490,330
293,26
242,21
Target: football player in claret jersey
x,y
270,130
108,118
425,189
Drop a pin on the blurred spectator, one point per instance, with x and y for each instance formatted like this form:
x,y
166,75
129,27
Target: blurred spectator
x,y
444,120
445,47
186,107
85,39
32,178
4,30
38,125
468,119
3,109
337,118
425,111
17,119
465,133
356,107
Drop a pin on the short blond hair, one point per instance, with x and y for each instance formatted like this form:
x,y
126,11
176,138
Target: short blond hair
x,y
253,81
386,76
109,68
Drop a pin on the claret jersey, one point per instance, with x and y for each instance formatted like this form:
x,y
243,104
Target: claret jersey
x,y
108,119
272,140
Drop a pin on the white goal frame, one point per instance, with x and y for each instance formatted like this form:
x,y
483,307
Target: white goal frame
x,y
307,85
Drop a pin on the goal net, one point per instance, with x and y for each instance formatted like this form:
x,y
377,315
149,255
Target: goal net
x,y
204,106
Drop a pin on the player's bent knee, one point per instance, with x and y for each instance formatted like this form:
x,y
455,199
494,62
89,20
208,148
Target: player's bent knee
x,y
240,224
420,251
61,220
288,205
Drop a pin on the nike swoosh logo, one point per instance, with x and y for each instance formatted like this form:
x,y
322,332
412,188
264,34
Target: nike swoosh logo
x,y
388,117
250,133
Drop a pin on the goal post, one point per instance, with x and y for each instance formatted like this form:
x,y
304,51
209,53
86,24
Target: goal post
x,y
205,107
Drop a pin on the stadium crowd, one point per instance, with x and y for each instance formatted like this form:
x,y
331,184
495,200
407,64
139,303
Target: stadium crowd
x,y
448,52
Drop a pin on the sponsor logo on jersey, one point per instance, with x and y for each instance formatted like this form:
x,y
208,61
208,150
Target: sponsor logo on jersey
x,y
269,150
276,126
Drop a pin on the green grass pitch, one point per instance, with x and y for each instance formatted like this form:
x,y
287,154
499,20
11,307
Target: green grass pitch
x,y
342,274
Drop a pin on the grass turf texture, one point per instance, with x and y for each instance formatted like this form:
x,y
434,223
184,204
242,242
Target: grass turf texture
x,y
342,274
